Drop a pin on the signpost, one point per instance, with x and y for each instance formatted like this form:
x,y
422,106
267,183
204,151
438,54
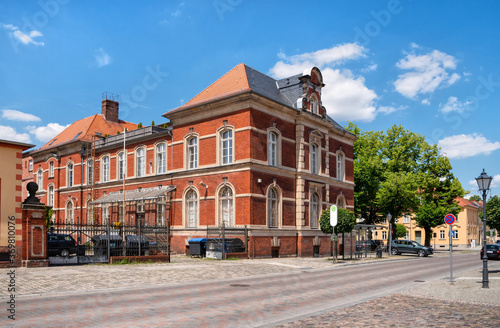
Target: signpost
x,y
450,219
333,223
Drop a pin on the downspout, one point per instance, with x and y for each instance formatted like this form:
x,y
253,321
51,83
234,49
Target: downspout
x,y
81,184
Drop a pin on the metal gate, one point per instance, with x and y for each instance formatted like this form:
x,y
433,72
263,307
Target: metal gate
x,y
222,240
91,243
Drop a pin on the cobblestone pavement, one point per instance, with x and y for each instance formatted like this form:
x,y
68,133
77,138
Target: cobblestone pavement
x,y
432,304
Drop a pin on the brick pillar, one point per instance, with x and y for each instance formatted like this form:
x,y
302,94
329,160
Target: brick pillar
x,y
34,232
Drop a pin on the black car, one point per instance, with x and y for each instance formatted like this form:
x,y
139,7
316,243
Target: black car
x,y
492,251
399,246
368,245
63,245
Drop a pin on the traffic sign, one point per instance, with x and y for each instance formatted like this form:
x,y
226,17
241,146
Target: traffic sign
x,y
333,215
452,233
449,219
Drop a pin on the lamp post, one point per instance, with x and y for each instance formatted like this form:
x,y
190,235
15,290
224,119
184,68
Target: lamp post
x,y
483,182
389,218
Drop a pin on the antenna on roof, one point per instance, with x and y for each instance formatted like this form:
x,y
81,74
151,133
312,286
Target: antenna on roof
x,y
110,96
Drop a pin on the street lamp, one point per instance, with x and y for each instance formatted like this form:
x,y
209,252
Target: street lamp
x,y
483,182
389,217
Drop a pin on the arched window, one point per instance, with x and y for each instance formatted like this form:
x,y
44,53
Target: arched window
x,y
226,206
192,152
140,158
314,104
272,148
69,213
70,175
51,169
340,167
50,196
39,178
272,208
122,165
105,169
161,158
227,146
314,159
191,209
314,210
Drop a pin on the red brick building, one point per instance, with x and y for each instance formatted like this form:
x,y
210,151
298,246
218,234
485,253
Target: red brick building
x,y
248,150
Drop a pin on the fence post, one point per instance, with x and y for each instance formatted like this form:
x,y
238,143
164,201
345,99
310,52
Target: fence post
x,y
140,239
108,232
223,240
246,240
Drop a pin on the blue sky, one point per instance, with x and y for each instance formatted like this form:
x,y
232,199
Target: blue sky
x,y
427,65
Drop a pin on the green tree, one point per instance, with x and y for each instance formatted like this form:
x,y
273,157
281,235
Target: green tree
x,y
492,213
398,172
477,198
345,221
400,231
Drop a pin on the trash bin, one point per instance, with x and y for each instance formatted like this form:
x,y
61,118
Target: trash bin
x,y
197,246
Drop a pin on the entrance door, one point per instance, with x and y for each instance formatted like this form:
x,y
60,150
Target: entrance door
x,y
418,237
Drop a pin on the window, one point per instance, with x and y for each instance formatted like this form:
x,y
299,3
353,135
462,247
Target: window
x,y
105,169
226,206
51,169
39,179
455,236
314,210
50,197
272,208
340,172
441,234
122,165
140,158
340,202
90,169
406,219
314,104
105,214
407,236
161,211
191,209
227,146
69,213
314,159
193,153
161,158
30,165
384,235
70,175
90,212
272,146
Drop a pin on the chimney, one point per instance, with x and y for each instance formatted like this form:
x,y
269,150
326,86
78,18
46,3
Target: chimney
x,y
110,110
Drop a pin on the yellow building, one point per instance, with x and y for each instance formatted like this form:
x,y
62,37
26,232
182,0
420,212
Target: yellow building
x,y
10,197
467,229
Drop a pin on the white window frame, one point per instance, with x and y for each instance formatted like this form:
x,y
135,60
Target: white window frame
x,y
455,235
51,169
314,158
192,152
384,235
442,234
272,148
122,165
161,158
406,219
314,104
273,207
90,171
140,162
227,146
39,178
314,210
69,213
226,206
70,176
192,207
50,195
30,165
340,166
105,168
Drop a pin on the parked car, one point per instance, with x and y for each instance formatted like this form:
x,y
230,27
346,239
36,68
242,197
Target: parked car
x,y
400,246
368,245
63,245
492,251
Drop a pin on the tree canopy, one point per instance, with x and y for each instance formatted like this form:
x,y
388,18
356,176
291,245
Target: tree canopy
x,y
398,172
345,221
492,213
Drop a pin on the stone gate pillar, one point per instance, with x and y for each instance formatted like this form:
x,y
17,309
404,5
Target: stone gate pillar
x,y
34,232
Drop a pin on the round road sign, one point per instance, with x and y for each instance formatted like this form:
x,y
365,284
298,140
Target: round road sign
x,y
449,219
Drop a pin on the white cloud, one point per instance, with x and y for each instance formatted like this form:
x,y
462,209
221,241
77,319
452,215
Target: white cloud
x,y
25,38
386,110
15,115
467,145
45,133
101,57
176,13
426,73
426,101
9,133
454,105
346,97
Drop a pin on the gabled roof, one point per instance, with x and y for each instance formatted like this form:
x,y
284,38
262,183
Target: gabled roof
x,y
84,129
471,203
243,78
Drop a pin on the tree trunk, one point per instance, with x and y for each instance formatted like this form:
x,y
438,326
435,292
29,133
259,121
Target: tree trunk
x,y
428,235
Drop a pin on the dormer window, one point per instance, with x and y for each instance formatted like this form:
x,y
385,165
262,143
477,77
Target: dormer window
x,y
314,103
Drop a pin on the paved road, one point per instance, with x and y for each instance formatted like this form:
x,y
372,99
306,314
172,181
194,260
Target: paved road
x,y
252,301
